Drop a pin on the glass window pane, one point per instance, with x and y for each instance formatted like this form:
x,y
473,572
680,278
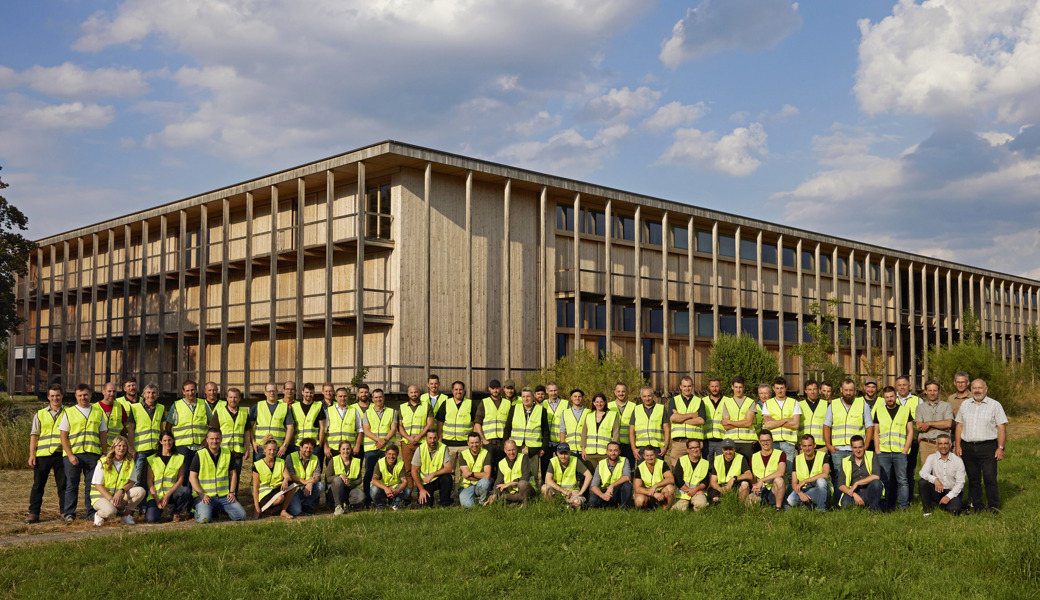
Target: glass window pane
x,y
601,344
564,313
888,274
807,260
625,228
857,269
565,217
790,331
749,325
681,322
749,250
655,322
704,241
561,345
770,330
705,325
843,266
825,263
769,254
652,232
728,324
875,272
789,255
727,245
680,238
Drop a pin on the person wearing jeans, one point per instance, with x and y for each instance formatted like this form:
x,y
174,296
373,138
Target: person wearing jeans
x,y
862,485
389,482
214,481
895,434
810,482
84,437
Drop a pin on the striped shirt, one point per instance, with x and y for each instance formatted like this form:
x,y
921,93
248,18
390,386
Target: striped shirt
x,y
981,419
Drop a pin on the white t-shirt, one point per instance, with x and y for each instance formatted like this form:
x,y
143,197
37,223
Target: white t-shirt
x,y
64,425
797,407
99,472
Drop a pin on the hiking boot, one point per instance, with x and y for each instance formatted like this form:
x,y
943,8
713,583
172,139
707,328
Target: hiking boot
x,y
32,518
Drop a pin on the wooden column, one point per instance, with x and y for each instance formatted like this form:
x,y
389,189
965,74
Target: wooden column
x,y
898,301
924,324
247,330
543,282
949,309
610,274
111,300
427,306
912,367
359,271
65,282
200,373
869,328
800,302
330,253
960,304
469,276
690,252
507,314
782,304
272,325
883,299
760,297
161,354
301,293
837,311
738,292
639,289
143,339
1003,323
79,307
225,311
182,324
37,385
577,274
666,321
715,279
93,310
936,309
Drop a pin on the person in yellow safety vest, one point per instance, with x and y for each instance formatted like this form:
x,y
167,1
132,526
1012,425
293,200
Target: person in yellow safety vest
x,y
894,431
489,421
115,414
563,477
826,393
232,421
187,419
416,419
455,421
729,470
129,397
212,398
305,471
378,426
45,453
328,394
165,481
687,415
83,433
847,416
738,418
214,483
114,489
509,392
624,408
861,483
783,417
143,426
434,397
713,430
515,478
270,478
814,413
692,475
528,426
539,394
810,482
343,477
649,425
432,470
652,482
474,473
600,428
270,418
572,420
768,466
342,427
390,481
612,481
554,407
911,401
870,392
289,393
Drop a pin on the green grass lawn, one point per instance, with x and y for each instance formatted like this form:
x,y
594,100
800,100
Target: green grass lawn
x,y
547,552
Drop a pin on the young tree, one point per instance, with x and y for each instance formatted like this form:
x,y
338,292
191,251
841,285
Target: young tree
x,y
816,353
14,262
742,355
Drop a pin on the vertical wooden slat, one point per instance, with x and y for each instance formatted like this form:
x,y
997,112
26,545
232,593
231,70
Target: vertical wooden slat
x,y
924,325
469,275
882,298
760,296
949,308
359,271
301,293
543,280
272,325
225,311
639,290
37,383
330,249
912,367
800,302
200,370
715,279
577,274
163,232
960,304
506,279
666,320
428,271
64,313
247,330
79,307
898,301
692,294
110,302
92,361
608,249
869,342
182,303
142,344
738,293
783,312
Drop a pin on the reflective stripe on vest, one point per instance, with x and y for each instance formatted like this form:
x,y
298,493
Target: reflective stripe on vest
x,y
147,429
598,436
215,479
760,469
891,432
682,430
434,405
340,429
270,424
712,427
114,480
573,426
494,425
192,424
413,420
514,473
339,468
49,441
801,468
114,419
692,476
85,432
608,476
812,420
565,478
527,431
625,416
554,415
391,478
431,463
474,463
844,424
846,466
735,468
458,420
648,477
306,422
164,475
303,472
738,413
379,426
232,429
647,432
270,478
777,412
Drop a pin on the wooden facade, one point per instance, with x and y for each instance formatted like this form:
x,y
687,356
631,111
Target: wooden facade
x,y
471,270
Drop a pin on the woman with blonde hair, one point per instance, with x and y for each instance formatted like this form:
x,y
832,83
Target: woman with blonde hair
x,y
270,478
113,483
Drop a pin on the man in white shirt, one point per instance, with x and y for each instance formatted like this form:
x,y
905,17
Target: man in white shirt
x,y
942,478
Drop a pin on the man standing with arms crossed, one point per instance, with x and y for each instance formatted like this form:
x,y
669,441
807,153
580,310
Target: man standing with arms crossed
x,y
934,417
894,434
416,420
648,426
84,438
782,416
687,415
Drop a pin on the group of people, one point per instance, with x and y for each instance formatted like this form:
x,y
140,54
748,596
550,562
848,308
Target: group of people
x,y
859,448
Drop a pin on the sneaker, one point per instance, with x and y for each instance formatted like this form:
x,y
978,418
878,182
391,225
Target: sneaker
x,y
32,518
68,519
928,514
339,510
379,509
779,508
395,508
98,521
127,520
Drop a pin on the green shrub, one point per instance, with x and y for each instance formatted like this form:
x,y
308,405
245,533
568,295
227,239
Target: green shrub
x,y
979,362
587,372
741,355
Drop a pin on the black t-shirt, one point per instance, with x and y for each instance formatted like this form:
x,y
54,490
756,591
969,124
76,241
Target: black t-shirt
x,y
680,476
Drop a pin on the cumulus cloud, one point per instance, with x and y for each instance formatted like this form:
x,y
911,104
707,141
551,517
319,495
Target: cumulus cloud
x,y
568,152
621,105
953,60
785,113
719,25
737,153
73,115
72,81
674,114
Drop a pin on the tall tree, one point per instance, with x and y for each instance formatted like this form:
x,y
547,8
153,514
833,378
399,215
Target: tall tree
x,y
14,261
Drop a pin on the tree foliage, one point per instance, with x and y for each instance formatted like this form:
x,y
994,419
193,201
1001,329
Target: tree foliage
x,y
816,353
14,261
589,373
979,361
741,355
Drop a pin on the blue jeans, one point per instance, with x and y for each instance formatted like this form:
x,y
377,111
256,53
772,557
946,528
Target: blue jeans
x,y
379,497
893,474
371,459
87,462
871,495
818,492
204,513
838,476
478,492
141,467
622,495
178,503
299,502
789,450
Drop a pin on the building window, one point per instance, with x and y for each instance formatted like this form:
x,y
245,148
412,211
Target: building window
x,y
789,257
704,243
748,250
593,222
769,254
624,318
888,274
857,269
625,228
875,272
790,331
561,344
652,232
681,322
648,357
595,315
807,260
565,313
680,238
825,263
565,217
727,245
377,212
749,325
728,324
654,320
705,325
601,344
770,330
843,266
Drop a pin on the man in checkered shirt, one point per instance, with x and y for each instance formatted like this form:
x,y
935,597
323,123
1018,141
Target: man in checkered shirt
x,y
980,435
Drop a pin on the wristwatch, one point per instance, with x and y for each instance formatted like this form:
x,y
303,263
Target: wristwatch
x,y
1000,447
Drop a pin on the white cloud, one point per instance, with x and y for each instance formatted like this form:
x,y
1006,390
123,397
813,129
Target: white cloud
x,y
719,25
953,60
567,153
737,153
621,105
674,114
785,113
73,115
72,81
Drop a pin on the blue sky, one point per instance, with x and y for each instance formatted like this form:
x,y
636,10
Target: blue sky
x,y
906,124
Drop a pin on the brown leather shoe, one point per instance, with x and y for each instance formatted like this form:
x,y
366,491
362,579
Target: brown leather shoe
x,y
32,518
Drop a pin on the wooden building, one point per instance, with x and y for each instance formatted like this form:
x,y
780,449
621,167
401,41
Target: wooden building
x,y
407,261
